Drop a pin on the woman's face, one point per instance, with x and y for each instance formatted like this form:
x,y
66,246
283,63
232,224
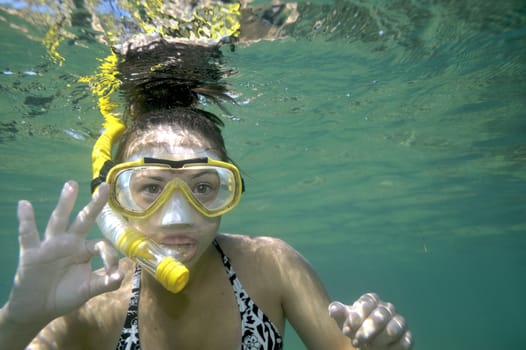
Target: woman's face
x,y
177,226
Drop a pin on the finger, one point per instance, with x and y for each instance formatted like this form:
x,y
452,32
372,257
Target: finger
x,y
58,222
404,343
27,229
382,327
338,311
108,254
359,311
87,216
394,331
369,298
112,277
372,325
99,284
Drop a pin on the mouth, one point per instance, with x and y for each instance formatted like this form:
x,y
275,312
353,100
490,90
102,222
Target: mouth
x,y
180,248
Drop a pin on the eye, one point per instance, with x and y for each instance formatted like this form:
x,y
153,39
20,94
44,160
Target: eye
x,y
152,189
144,194
202,188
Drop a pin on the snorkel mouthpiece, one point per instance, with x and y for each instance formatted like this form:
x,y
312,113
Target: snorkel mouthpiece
x,y
172,274
169,272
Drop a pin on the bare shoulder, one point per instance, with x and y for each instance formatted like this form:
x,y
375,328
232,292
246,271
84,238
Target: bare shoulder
x,y
268,256
265,267
258,247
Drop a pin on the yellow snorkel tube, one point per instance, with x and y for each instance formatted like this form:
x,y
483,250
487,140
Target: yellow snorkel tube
x,y
172,274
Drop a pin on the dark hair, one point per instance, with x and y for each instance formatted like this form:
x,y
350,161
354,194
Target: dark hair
x,y
162,82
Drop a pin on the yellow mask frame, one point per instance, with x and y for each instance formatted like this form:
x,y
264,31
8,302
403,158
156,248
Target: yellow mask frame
x,y
235,185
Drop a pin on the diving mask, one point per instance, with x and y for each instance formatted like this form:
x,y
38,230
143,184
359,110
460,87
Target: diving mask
x,y
139,188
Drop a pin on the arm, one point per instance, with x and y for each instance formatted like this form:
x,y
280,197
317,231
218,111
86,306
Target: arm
x,y
369,323
305,302
54,274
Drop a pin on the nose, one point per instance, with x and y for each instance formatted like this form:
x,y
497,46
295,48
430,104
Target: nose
x,y
177,210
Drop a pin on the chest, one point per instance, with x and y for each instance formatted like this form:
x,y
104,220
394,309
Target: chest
x,y
214,322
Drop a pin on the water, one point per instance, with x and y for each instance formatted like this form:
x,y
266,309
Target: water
x,y
392,154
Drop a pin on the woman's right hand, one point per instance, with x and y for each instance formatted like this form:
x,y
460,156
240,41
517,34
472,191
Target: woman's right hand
x,y
54,274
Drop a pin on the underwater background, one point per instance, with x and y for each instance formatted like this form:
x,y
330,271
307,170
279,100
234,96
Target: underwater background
x,y
384,140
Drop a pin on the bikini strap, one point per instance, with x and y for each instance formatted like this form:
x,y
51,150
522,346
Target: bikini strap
x,y
228,267
257,331
129,339
218,248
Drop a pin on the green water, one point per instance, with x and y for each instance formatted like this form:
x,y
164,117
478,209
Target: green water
x,y
394,161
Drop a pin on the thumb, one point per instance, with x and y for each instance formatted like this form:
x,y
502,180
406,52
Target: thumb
x,y
338,311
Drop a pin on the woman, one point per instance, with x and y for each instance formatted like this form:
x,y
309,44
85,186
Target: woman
x,y
172,182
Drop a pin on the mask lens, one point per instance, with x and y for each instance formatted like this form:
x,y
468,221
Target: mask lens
x,y
213,187
137,189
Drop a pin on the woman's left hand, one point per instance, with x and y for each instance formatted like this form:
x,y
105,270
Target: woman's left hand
x,y
372,324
